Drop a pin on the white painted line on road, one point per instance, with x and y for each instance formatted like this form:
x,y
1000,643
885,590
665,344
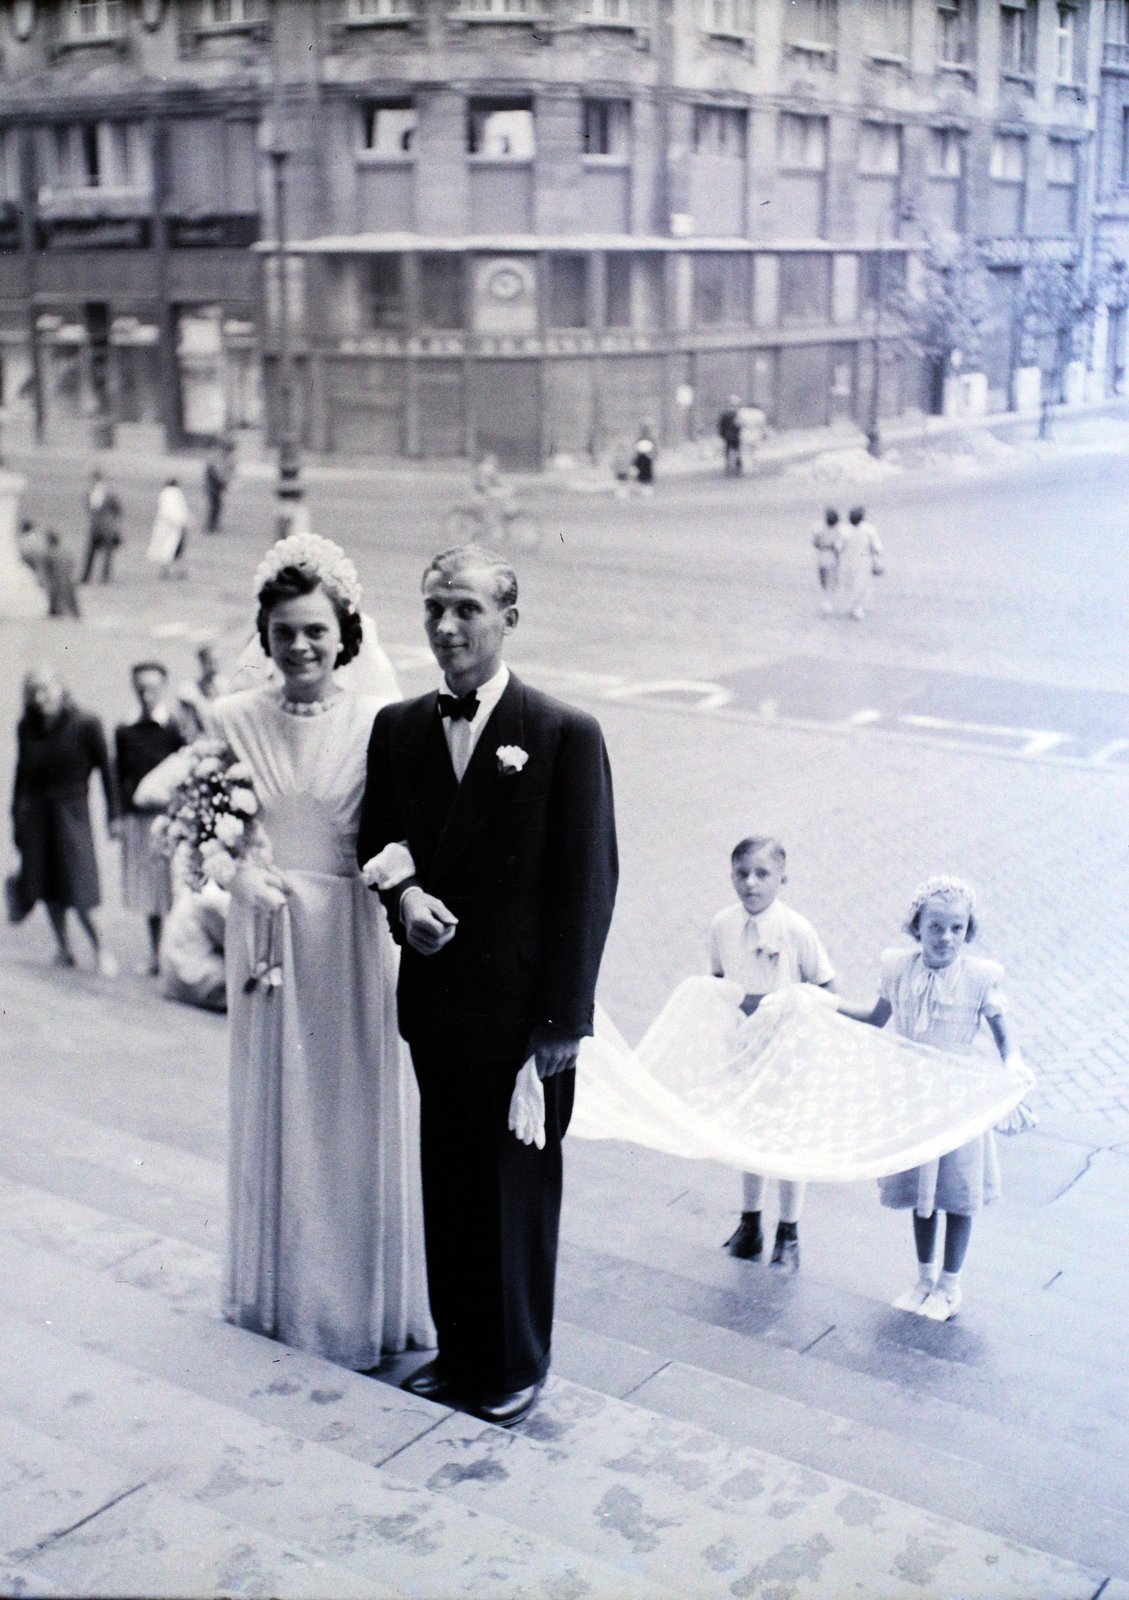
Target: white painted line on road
x,y
1037,740
712,695
1108,751
862,718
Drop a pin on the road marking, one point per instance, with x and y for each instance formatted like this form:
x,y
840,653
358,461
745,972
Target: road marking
x,y
712,696
1038,741
1108,751
862,718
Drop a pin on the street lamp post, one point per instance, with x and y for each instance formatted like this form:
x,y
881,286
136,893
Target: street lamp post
x,y
873,438
292,514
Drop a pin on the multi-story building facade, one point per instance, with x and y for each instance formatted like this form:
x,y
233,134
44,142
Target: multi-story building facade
x,y
1111,201
523,225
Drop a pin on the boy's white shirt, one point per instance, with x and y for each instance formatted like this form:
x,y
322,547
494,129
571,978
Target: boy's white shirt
x,y
768,951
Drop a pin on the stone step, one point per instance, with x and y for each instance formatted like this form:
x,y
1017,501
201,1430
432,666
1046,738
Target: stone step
x,y
348,1527
668,1502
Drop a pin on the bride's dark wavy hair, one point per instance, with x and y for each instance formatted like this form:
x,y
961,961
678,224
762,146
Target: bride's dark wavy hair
x,y
289,584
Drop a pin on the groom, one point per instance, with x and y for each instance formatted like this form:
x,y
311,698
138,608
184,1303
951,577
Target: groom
x,y
504,800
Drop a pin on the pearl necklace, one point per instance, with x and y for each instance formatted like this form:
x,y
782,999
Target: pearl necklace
x,y
308,708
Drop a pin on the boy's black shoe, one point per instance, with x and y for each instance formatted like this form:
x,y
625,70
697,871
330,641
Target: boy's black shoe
x,y
747,1244
786,1250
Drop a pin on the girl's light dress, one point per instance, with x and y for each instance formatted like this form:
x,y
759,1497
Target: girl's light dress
x,y
943,1006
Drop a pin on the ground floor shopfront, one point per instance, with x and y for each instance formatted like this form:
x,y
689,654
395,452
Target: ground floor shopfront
x,y
538,348
101,344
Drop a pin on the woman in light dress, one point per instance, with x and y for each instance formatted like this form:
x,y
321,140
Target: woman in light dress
x,y
325,1234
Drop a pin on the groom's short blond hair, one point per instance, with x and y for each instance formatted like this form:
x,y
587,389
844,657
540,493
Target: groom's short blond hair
x,y
467,557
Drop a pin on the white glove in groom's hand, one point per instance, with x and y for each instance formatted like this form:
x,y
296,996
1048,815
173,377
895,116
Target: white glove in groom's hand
x,y
428,925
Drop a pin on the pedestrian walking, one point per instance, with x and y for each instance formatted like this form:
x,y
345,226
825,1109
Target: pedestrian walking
x,y
104,534
729,427
218,472
828,542
763,945
643,460
169,539
59,747
57,570
860,562
139,747
938,994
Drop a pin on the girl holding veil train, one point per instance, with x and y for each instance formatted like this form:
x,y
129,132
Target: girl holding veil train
x,y
325,1234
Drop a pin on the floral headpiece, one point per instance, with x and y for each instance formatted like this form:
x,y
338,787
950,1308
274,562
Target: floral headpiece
x,y
942,887
321,559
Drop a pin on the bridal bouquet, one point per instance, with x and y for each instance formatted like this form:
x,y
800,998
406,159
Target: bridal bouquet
x,y
211,816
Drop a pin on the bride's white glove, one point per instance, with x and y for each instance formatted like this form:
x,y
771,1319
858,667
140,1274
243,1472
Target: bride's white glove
x,y
1021,1118
259,885
527,1107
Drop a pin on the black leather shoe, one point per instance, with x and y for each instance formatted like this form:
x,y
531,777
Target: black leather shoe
x,y
430,1382
505,1410
747,1244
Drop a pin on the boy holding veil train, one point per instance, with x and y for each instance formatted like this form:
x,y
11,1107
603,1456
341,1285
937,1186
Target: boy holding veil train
x,y
764,945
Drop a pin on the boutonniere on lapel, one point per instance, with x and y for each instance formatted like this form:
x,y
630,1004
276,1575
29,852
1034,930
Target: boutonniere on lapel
x,y
511,759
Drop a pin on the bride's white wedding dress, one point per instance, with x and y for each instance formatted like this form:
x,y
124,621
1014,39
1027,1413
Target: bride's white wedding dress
x,y
794,1091
325,1230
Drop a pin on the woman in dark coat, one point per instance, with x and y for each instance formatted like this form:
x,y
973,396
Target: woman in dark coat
x,y
59,748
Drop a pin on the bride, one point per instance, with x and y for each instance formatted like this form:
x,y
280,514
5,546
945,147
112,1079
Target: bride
x,y
325,1232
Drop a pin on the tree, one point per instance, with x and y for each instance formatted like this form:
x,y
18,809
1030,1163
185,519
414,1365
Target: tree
x,y
1055,304
946,309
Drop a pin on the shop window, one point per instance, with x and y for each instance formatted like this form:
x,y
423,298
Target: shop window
x,y
501,130
568,291
91,21
802,143
811,25
1018,26
719,131
441,291
880,150
388,128
729,19
805,287
946,153
887,25
618,309
955,33
364,13
498,10
385,292
607,128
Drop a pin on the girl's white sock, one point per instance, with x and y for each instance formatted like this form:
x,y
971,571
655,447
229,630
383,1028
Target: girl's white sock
x,y
927,1272
948,1281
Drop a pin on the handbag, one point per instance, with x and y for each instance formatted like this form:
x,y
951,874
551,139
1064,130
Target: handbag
x,y
877,566
16,902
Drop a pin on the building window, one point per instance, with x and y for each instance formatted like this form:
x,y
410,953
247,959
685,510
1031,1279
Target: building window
x,y
441,297
811,25
954,33
382,281
613,13
95,155
880,150
719,131
9,164
88,21
1018,26
364,13
607,128
568,291
501,130
1009,158
805,287
1064,45
388,128
946,153
498,10
1125,145
1062,162
721,290
229,16
802,143
729,19
617,311
887,25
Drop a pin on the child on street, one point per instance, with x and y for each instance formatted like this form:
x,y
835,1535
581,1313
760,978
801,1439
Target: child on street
x,y
828,543
938,994
764,945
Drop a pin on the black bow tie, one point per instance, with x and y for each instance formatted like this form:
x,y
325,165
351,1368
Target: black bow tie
x,y
454,708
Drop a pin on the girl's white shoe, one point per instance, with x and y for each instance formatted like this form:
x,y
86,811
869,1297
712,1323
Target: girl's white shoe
x,y
942,1303
914,1299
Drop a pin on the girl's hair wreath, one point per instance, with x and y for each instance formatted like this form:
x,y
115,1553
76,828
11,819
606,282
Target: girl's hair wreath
x,y
941,887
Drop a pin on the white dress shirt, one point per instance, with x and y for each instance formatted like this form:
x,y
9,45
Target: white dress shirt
x,y
769,951
462,736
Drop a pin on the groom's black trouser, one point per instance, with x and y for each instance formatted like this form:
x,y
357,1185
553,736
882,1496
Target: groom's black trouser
x,y
491,1215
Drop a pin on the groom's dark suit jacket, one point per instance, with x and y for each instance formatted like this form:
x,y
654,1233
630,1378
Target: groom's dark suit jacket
x,y
526,861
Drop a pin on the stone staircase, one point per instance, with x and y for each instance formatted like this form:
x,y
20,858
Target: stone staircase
x,y
147,1448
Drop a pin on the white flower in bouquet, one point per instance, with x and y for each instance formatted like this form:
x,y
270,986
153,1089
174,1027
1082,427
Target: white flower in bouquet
x,y
159,832
220,868
238,772
207,767
229,829
243,799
